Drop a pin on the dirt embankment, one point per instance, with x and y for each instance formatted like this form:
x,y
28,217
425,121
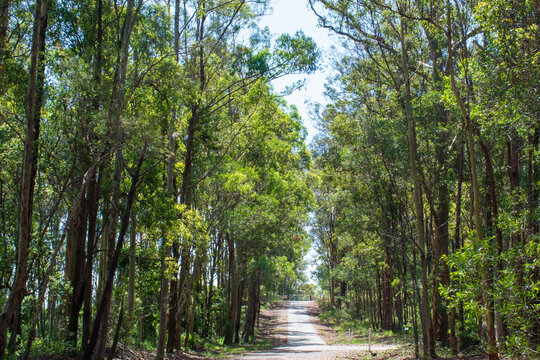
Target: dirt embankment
x,y
273,324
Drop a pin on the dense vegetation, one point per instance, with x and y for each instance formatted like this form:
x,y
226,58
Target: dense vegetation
x,y
145,168
429,172
155,191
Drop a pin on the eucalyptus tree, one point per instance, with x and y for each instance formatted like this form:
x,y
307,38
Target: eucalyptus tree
x,y
215,78
382,32
33,104
436,63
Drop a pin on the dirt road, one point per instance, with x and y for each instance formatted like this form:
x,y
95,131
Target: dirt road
x,y
304,343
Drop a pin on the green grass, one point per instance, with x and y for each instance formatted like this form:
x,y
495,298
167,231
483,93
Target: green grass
x,y
342,322
216,350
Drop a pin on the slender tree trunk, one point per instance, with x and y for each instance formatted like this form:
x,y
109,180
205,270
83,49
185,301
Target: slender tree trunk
x,y
97,341
92,202
387,277
238,311
4,17
533,177
429,345
414,302
379,296
500,323
164,299
173,339
93,190
533,222
104,249
251,311
333,261
215,258
52,265
132,270
100,328
117,331
185,199
75,250
513,174
173,327
187,322
485,271
34,99
457,231
441,271
233,281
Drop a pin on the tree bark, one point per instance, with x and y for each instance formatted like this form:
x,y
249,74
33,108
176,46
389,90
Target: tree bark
x,y
117,331
173,339
34,99
97,341
173,326
238,311
75,250
164,299
4,17
94,189
92,199
457,232
485,272
100,328
251,312
132,269
429,345
386,323
233,281
499,320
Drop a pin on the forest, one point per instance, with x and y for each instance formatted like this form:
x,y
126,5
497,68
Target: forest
x,y
156,191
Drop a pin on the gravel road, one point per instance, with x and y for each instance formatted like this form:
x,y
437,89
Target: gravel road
x,y
304,343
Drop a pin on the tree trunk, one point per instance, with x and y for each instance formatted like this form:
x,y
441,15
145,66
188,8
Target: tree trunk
x,y
533,222
187,322
238,311
173,327
100,328
386,298
333,261
4,17
429,345
251,312
233,281
533,177
92,203
440,270
132,269
117,331
94,190
500,323
34,99
164,299
457,231
52,265
485,271
97,341
75,251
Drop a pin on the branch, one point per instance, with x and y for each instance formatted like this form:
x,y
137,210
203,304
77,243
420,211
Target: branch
x,y
367,37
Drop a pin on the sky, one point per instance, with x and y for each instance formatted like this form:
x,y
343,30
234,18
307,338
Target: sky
x,y
287,17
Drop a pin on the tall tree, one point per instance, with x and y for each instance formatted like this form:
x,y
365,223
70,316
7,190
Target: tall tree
x,y
34,100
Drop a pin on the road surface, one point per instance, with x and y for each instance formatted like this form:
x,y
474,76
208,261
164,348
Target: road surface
x,y
303,342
